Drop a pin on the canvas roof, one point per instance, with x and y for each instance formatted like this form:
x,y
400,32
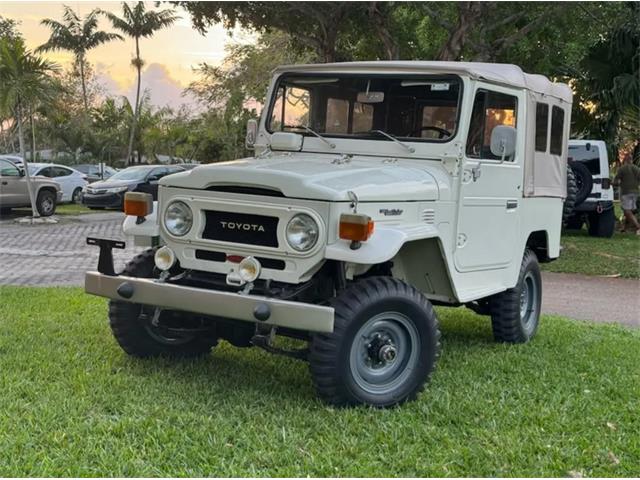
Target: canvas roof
x,y
502,73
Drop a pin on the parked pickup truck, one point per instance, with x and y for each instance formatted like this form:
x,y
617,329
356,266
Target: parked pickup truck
x,y
13,190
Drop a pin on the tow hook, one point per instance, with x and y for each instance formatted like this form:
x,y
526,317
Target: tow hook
x,y
599,208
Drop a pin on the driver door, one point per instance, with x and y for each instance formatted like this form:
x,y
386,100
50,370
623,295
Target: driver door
x,y
491,190
13,188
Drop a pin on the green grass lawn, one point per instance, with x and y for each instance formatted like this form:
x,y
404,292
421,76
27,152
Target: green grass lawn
x,y
73,404
619,255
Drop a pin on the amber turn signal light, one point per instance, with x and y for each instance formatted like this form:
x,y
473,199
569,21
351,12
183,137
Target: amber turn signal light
x,y
355,227
138,204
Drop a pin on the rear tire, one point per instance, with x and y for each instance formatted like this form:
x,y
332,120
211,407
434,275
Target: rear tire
x,y
515,313
137,336
76,196
383,349
602,224
46,203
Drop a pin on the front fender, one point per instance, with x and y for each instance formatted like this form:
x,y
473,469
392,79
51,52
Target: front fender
x,y
383,245
144,234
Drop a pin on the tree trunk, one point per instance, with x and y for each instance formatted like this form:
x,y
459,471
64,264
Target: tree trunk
x,y
391,49
33,135
84,86
23,153
136,111
468,13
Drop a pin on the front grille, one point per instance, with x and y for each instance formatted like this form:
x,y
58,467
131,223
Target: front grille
x,y
241,228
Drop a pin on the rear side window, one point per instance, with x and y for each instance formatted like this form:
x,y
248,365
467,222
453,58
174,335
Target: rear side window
x,y
542,126
557,130
490,109
60,172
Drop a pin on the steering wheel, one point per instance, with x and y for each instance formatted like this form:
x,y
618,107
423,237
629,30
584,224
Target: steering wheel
x,y
443,133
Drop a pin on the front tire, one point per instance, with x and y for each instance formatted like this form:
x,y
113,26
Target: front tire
x,y
515,313
131,326
46,203
383,349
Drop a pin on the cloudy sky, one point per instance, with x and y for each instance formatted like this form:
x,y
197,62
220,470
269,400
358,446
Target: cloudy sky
x,y
169,56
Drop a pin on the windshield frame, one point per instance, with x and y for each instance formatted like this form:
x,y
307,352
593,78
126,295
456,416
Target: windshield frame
x,y
430,77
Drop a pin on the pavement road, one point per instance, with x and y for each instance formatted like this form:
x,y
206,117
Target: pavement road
x,y
48,255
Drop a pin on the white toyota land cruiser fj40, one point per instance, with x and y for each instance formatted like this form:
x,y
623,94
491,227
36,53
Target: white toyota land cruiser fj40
x,y
377,190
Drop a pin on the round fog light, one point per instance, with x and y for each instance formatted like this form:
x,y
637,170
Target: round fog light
x,y
164,258
249,269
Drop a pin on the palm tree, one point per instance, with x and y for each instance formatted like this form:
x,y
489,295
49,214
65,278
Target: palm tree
x,y
78,36
139,23
24,79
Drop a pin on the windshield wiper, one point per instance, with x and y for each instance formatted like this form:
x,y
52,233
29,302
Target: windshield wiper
x,y
391,137
332,145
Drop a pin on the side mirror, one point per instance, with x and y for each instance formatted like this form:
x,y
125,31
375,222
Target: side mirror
x,y
153,178
503,141
21,172
252,133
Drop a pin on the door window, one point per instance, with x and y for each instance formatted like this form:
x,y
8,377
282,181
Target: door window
x,y
490,109
60,172
45,172
8,169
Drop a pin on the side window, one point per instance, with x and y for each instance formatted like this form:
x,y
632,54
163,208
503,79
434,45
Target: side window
x,y
60,172
542,126
8,169
557,130
490,109
337,120
46,172
291,109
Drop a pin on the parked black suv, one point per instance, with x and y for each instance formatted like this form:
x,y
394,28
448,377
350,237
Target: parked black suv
x,y
110,193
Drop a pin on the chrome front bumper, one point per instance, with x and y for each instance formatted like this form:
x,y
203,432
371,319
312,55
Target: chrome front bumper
x,y
248,308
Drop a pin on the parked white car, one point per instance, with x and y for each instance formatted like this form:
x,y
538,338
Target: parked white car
x,y
15,159
71,181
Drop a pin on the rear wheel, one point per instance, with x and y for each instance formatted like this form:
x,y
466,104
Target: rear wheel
x,y
383,348
515,313
46,203
602,224
139,335
76,197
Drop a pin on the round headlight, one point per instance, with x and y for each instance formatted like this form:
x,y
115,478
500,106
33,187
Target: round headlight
x,y
178,218
302,232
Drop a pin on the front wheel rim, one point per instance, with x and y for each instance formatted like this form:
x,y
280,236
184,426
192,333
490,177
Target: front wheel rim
x,y
384,353
46,205
529,301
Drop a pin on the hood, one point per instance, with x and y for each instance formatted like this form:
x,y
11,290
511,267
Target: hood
x,y
317,177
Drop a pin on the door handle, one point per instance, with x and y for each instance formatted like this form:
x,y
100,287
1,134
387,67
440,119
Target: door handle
x,y
512,204
5,183
475,172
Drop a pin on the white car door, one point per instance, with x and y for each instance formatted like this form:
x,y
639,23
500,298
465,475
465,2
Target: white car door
x,y
64,177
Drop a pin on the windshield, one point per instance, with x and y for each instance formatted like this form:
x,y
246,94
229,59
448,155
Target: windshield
x,y
423,108
129,174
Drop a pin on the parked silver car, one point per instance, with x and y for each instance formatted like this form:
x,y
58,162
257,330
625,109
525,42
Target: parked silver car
x,y
13,190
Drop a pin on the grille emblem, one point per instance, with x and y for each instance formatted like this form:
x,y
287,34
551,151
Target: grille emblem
x,y
248,227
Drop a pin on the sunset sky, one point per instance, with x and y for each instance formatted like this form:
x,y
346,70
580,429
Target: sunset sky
x,y
169,56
